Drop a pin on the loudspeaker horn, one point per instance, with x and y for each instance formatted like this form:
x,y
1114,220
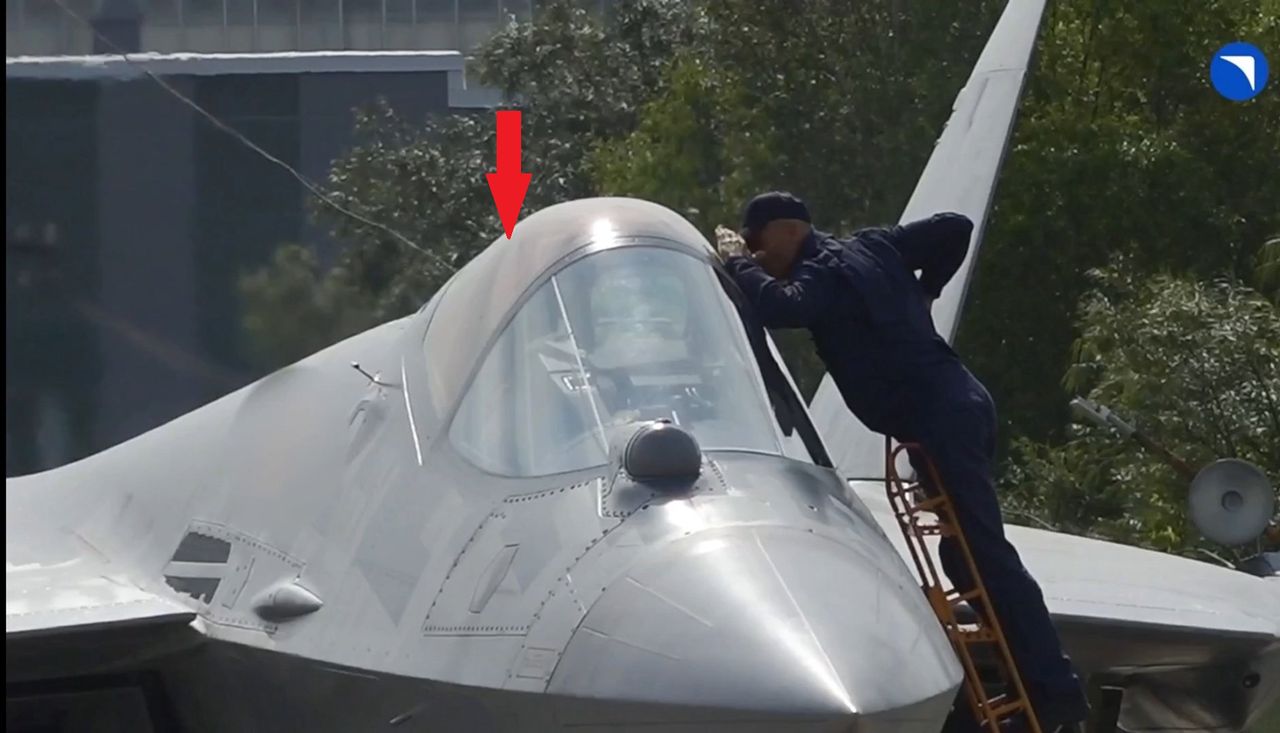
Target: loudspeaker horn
x,y
1232,501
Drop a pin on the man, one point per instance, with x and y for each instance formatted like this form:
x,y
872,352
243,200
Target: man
x,y
869,315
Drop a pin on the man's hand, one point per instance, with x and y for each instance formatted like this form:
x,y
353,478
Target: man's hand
x,y
729,243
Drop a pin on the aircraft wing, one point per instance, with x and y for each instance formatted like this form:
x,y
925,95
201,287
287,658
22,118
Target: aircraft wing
x,y
1194,646
960,176
79,596
68,611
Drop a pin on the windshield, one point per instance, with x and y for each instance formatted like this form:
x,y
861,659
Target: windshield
x,y
626,335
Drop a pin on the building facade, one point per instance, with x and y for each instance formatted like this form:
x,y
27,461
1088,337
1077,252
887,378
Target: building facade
x,y
130,219
46,27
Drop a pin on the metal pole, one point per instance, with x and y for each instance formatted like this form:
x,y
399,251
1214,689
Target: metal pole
x,y
1102,416
1183,468
255,25
383,43
342,26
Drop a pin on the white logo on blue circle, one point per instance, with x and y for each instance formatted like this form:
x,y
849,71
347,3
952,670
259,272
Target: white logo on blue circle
x,y
1238,71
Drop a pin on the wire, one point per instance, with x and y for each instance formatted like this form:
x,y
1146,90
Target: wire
x,y
1029,516
302,179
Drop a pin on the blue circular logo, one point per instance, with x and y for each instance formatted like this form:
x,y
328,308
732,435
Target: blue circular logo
x,y
1238,71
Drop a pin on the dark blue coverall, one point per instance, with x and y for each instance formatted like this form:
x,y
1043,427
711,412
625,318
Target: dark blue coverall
x,y
866,309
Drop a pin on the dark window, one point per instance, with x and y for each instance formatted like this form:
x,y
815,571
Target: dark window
x,y
201,548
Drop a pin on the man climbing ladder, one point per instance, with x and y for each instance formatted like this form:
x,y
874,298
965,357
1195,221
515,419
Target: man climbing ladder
x,y
999,702
869,315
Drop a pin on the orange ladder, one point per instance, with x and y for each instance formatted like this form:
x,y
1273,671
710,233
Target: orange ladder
x,y
922,514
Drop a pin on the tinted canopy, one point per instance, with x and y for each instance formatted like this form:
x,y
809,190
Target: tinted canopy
x,y
478,301
619,336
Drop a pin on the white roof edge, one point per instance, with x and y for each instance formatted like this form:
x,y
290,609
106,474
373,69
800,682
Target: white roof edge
x,y
215,64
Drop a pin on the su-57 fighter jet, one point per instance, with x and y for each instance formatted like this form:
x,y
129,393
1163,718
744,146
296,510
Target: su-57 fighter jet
x,y
493,530
577,490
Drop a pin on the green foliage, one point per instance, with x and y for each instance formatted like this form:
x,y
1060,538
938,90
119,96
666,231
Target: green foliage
x,y
680,155
1122,147
581,81
578,81
1196,366
291,306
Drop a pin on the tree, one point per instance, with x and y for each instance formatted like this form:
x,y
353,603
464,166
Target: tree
x,y
577,80
1117,151
1196,365
292,306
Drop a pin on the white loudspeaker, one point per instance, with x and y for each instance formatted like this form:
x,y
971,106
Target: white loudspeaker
x,y
1232,501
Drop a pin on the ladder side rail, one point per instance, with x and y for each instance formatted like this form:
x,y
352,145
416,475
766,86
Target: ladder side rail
x,y
989,712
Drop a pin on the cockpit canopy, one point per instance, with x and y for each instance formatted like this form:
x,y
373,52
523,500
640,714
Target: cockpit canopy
x,y
598,315
618,337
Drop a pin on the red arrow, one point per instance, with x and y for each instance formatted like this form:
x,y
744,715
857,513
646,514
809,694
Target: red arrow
x,y
508,185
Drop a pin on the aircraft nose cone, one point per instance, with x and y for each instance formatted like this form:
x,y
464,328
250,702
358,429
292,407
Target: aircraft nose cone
x,y
773,621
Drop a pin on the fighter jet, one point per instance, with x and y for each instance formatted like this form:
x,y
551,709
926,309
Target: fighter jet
x,y
576,490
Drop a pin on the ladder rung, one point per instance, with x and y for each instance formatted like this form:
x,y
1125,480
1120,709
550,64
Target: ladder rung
x,y
995,702
1016,706
928,505
974,636
936,525
965,597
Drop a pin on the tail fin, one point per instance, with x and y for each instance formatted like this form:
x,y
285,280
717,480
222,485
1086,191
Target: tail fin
x,y
960,176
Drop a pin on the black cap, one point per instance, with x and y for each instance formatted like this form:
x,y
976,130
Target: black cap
x,y
769,207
